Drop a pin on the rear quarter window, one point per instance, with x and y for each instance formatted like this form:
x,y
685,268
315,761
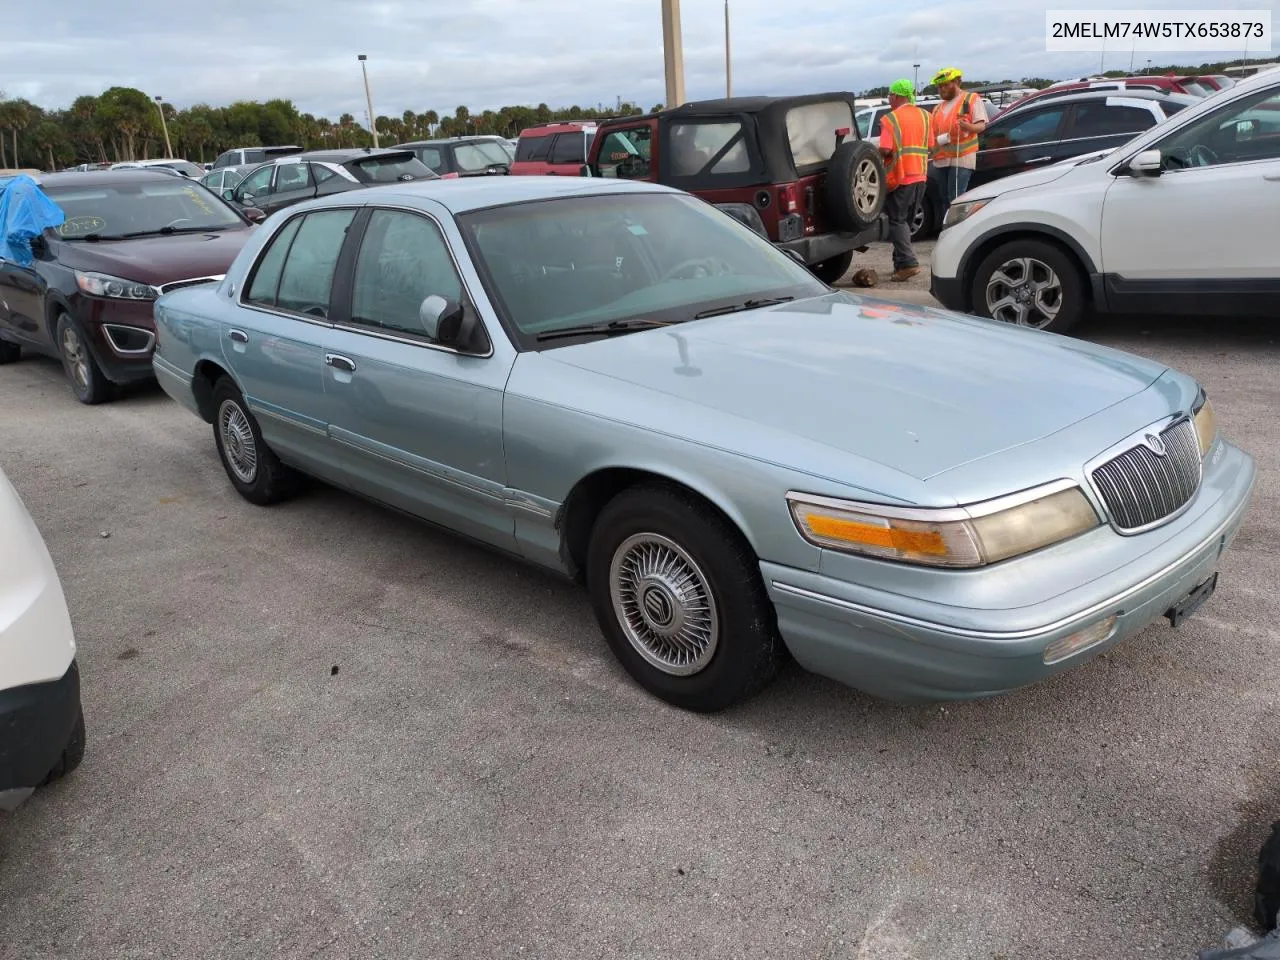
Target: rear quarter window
x,y
811,130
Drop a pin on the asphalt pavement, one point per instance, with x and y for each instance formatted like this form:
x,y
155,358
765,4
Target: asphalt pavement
x,y
323,730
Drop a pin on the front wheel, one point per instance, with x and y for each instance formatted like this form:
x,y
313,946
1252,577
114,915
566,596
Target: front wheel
x,y
1030,283
9,352
830,271
88,382
679,597
253,468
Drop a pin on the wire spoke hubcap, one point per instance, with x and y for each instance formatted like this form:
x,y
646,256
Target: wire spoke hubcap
x,y
663,602
866,186
77,359
1024,291
237,441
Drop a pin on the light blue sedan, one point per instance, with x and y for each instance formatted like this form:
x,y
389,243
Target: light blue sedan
x,y
618,382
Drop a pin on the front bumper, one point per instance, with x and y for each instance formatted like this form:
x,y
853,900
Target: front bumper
x,y
113,324
36,724
909,649
948,291
823,246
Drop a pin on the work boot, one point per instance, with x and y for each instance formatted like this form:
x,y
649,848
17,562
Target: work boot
x,y
903,274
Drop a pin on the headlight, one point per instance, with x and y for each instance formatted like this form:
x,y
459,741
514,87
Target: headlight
x,y
962,211
971,536
102,285
1206,424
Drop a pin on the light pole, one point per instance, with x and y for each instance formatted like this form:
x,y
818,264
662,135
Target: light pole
x,y
1148,70
168,150
728,63
915,83
368,98
673,52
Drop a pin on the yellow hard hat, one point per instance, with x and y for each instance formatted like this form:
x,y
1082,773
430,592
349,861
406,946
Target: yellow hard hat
x,y
946,75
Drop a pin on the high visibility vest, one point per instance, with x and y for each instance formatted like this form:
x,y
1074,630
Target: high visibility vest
x,y
958,144
912,134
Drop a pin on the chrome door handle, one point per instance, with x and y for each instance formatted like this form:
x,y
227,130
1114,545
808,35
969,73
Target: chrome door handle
x,y
1040,160
340,363
239,336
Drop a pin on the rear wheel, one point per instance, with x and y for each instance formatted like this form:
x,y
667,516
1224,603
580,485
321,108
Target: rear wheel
x,y
88,382
679,597
924,222
830,271
1030,283
9,352
856,188
252,467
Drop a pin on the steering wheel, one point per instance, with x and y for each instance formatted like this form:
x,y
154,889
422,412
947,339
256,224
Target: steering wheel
x,y
174,223
1202,156
697,267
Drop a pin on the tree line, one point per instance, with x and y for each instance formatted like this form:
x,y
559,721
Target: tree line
x,y
124,124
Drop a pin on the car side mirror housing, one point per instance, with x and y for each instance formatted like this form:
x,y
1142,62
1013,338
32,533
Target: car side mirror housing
x,y
796,257
447,322
254,215
228,195
1148,163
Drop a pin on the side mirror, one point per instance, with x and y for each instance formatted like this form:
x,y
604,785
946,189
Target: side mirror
x,y
797,258
38,246
1148,163
228,195
446,321
253,214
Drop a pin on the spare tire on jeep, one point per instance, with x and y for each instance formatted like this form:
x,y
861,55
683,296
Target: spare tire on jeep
x,y
855,185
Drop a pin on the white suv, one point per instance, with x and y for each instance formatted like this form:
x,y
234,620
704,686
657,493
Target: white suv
x,y
1183,219
41,726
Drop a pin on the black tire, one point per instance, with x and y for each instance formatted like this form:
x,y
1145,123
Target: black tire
x,y
267,480
856,188
72,753
9,352
830,271
925,224
1071,297
1267,897
742,652
89,384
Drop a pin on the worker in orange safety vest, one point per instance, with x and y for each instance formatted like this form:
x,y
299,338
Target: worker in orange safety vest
x,y
958,121
906,137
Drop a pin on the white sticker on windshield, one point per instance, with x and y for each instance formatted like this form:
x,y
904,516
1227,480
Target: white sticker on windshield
x,y
638,230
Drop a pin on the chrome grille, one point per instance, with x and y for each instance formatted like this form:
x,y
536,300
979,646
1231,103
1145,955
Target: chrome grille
x,y
179,284
1140,487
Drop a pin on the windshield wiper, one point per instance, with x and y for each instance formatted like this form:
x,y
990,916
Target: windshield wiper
x,y
602,329
738,307
165,231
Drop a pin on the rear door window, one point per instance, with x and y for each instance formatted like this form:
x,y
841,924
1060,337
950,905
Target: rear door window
x,y
811,130
1102,119
266,276
533,149
1025,128
307,277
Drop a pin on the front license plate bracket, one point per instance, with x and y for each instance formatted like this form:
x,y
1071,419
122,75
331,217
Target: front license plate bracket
x,y
1192,602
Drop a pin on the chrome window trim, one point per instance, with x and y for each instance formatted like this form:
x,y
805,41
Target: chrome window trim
x,y
190,281
142,351
1133,440
971,511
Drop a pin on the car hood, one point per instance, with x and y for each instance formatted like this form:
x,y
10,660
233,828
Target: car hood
x,y
1037,177
160,259
915,389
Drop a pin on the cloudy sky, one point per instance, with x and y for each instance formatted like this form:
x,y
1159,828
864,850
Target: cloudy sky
x,y
438,54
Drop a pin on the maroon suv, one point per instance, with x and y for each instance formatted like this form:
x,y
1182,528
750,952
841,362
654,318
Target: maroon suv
x,y
791,168
86,297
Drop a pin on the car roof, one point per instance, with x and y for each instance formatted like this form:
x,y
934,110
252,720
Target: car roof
x,y
1085,96
476,193
342,156
441,140
105,178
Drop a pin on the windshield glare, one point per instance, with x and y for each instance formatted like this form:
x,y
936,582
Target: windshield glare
x,y
572,261
131,208
390,169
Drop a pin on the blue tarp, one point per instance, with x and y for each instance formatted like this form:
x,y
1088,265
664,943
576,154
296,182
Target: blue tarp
x,y
25,213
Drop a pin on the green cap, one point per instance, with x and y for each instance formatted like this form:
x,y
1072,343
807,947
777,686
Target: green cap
x,y
903,88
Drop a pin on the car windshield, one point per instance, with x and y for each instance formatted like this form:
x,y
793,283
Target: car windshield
x,y
115,210
621,258
479,155
390,168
